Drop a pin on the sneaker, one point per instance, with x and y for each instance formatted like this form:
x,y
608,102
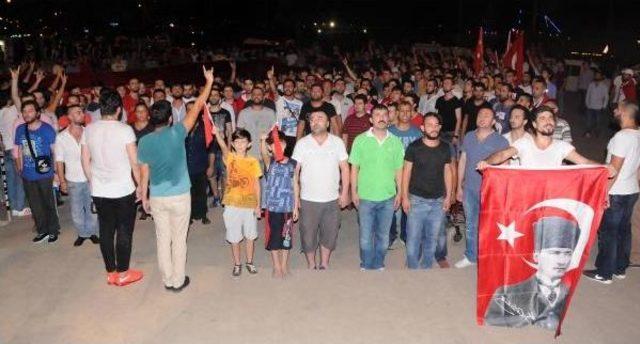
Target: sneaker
x,y
593,275
251,268
94,239
128,277
79,241
184,285
52,238
40,238
15,213
237,271
112,278
464,263
620,276
26,212
206,221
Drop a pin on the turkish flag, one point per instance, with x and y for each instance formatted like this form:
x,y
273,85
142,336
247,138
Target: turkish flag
x,y
536,228
278,153
208,126
478,60
514,55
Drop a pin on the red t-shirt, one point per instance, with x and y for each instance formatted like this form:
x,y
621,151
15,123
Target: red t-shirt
x,y
629,90
418,120
354,126
129,104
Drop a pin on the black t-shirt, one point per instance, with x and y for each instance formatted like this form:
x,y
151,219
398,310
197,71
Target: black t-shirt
x,y
447,109
427,174
307,109
142,132
470,109
220,119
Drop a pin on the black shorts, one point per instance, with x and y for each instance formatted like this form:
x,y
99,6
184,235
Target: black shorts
x,y
275,231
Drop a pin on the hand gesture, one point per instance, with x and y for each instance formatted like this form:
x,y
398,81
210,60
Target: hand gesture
x,y
271,73
232,64
208,74
39,75
15,73
63,80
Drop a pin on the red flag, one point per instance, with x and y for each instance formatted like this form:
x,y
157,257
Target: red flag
x,y
478,60
208,125
278,154
514,56
535,231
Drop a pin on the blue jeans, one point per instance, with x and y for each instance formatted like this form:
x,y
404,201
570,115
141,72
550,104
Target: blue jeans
x,y
14,183
399,220
614,237
375,218
471,207
592,119
85,222
441,244
424,223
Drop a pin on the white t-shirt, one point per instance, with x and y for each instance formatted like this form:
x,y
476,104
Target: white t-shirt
x,y
514,160
67,150
625,144
110,168
9,115
319,167
532,156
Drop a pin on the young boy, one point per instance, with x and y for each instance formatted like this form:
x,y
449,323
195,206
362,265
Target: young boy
x,y
281,195
241,198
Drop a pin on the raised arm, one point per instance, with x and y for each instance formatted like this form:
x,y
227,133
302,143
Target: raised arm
x,y
272,82
15,96
27,76
232,77
350,72
264,151
36,83
223,145
192,116
55,102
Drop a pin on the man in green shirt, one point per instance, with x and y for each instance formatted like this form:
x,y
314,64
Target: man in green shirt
x,y
377,159
163,163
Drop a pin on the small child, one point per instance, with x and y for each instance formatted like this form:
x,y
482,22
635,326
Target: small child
x,y
241,198
281,195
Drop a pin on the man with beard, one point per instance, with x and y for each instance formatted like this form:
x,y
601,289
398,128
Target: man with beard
x,y
317,104
72,178
502,108
339,100
33,151
518,119
427,184
256,119
449,107
376,178
322,170
472,106
428,100
287,110
540,150
222,119
539,92
178,107
131,99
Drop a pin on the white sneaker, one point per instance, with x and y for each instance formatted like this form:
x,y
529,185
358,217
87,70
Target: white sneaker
x,y
620,276
15,213
463,263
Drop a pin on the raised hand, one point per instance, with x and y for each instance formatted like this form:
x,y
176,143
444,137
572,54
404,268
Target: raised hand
x,y
271,73
39,75
208,74
15,73
232,64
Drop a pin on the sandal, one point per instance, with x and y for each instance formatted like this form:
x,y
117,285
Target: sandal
x,y
251,268
237,270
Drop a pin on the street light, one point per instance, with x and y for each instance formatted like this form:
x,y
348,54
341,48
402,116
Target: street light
x,y
332,24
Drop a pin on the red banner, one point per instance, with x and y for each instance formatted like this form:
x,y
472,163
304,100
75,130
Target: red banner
x,y
478,58
514,55
535,232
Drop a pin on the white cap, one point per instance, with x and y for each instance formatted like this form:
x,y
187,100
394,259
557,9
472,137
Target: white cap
x,y
628,71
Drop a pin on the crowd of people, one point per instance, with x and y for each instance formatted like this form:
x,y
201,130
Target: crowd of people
x,y
401,138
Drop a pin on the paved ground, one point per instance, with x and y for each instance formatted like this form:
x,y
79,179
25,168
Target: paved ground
x,y
57,294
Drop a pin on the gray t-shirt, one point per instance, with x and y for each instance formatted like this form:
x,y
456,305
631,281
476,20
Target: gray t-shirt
x,y
256,122
476,151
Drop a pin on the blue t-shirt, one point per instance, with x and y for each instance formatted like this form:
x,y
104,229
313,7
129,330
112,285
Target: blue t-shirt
x,y
477,151
41,141
164,152
406,136
279,186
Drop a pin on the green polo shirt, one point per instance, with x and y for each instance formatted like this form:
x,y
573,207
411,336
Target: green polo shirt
x,y
378,162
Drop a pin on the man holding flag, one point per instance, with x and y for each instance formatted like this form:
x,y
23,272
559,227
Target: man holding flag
x,y
163,163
